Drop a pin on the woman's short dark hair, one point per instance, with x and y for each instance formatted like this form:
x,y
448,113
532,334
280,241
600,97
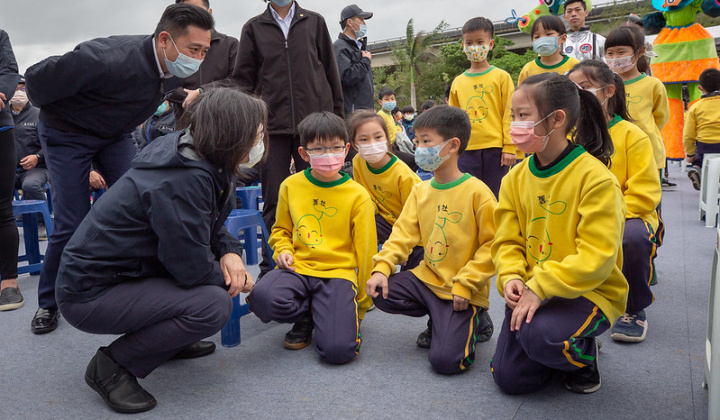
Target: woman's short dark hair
x,y
549,23
224,124
322,127
177,17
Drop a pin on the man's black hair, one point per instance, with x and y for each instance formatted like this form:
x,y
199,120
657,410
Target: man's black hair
x,y
177,17
569,2
205,3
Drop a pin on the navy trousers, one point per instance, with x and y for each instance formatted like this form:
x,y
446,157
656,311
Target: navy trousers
x,y
484,164
286,296
452,348
68,157
560,338
638,253
156,317
32,183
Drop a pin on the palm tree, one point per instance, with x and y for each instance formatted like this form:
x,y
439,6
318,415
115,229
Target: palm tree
x,y
416,50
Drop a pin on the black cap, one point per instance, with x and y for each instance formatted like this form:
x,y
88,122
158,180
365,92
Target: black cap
x,y
22,79
352,11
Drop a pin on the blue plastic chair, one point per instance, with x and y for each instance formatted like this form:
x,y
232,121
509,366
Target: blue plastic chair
x,y
424,175
29,210
249,196
246,221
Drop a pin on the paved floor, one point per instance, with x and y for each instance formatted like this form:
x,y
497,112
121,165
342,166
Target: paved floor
x,y
41,377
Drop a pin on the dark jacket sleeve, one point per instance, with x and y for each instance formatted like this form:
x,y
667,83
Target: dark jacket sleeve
x,y
224,243
351,73
63,76
327,57
8,67
245,73
181,218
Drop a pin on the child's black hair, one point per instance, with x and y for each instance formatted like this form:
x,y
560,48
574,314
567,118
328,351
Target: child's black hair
x,y
386,91
408,109
710,80
549,23
479,24
599,73
552,92
395,110
427,105
628,36
322,127
361,117
448,121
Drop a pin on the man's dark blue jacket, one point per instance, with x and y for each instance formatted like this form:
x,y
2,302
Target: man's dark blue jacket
x,y
164,218
103,88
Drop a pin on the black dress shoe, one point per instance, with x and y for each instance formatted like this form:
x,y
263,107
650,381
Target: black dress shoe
x,y
198,349
44,321
118,387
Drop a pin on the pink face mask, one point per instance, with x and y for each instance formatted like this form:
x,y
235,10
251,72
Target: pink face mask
x,y
327,164
522,134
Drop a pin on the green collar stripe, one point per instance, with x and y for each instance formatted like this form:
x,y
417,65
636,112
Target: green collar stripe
x,y
554,66
616,119
387,166
439,186
558,167
343,178
637,79
482,73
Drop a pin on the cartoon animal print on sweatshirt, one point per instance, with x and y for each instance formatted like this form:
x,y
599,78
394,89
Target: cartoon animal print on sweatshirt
x,y
540,247
476,107
437,246
309,228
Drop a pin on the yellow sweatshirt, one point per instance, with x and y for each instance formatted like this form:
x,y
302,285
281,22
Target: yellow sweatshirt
x,y
392,126
702,123
454,221
329,228
634,167
647,105
560,231
486,98
536,67
388,186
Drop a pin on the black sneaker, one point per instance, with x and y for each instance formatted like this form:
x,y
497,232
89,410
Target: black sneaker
x,y
300,335
425,337
11,298
694,175
587,379
486,327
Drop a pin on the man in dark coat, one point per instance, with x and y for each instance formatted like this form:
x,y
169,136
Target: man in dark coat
x,y
354,62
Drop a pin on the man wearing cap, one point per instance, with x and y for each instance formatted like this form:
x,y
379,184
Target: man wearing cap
x,y
353,60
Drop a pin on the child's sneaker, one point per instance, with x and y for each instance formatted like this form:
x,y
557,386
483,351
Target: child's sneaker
x,y
300,335
631,328
486,327
587,379
425,337
694,175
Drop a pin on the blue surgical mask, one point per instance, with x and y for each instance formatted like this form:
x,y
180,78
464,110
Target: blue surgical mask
x,y
389,106
162,109
361,30
281,3
546,45
183,66
428,158
255,155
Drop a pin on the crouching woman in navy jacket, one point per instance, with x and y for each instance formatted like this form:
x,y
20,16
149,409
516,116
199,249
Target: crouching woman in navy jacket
x,y
153,260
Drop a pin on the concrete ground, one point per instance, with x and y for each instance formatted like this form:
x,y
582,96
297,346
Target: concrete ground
x,y
41,377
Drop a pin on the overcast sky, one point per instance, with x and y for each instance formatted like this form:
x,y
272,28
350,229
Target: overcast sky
x,y
41,28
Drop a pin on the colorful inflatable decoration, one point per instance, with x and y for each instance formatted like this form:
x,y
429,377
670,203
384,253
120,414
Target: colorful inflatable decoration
x,y
546,7
684,50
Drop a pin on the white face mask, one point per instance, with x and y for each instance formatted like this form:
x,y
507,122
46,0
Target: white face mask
x,y
19,98
255,155
373,152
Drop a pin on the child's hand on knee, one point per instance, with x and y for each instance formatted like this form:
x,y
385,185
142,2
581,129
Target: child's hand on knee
x,y
528,303
285,261
513,290
377,280
460,303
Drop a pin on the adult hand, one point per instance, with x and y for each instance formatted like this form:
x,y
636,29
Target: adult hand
x,y
512,292
527,305
2,101
508,159
377,280
236,278
191,95
97,181
29,162
460,303
285,261
366,54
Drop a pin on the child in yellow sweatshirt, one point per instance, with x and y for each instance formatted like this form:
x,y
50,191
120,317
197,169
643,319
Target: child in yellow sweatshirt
x,y
634,167
548,34
557,251
451,215
484,92
701,134
323,241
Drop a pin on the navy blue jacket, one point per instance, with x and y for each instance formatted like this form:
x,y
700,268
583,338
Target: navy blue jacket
x,y
27,141
8,77
103,88
163,218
